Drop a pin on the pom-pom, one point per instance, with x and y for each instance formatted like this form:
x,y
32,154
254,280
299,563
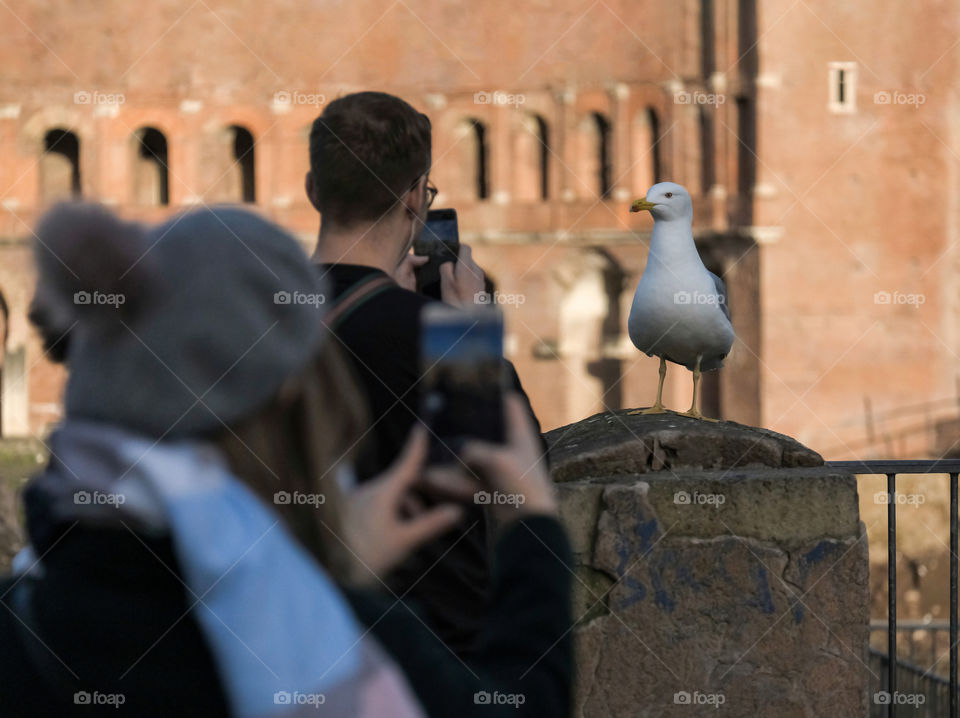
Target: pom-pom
x,y
88,258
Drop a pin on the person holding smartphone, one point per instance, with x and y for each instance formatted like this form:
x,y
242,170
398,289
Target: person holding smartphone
x,y
369,178
197,587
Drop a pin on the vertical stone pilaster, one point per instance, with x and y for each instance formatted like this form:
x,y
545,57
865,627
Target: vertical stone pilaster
x,y
501,151
621,155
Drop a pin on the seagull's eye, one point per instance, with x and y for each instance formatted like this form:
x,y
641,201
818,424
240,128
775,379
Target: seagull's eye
x,y
668,195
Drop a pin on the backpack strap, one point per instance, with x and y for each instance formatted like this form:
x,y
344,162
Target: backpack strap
x,y
365,289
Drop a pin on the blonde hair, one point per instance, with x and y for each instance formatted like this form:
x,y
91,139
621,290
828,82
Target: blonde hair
x,y
295,443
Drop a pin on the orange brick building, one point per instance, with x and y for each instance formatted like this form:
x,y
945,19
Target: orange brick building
x,y
819,143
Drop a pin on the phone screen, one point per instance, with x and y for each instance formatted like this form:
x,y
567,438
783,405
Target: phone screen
x,y
462,393
439,240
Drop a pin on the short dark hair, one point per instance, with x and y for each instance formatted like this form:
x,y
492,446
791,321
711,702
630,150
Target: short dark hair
x,y
367,150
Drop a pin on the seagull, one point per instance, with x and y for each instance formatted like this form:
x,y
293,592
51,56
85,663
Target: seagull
x,y
679,311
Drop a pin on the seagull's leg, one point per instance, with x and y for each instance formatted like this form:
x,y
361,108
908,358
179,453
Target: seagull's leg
x,y
658,407
694,412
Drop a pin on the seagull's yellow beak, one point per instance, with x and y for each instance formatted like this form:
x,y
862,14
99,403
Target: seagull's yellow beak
x,y
642,204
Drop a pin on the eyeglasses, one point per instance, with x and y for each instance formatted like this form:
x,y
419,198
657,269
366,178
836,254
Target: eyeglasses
x,y
432,192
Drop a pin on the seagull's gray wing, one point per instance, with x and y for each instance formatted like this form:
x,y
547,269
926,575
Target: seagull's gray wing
x,y
721,293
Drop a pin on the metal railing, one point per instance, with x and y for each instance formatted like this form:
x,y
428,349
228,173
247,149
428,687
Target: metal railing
x,y
934,689
924,639
891,469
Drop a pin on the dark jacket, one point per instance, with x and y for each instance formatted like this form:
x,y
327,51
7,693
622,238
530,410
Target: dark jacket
x,y
110,616
523,662
450,576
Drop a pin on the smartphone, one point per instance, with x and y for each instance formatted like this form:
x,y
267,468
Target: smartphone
x,y
461,355
439,240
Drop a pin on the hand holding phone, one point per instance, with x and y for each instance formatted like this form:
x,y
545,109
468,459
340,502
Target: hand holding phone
x,y
463,284
440,242
376,531
463,384
517,469
406,272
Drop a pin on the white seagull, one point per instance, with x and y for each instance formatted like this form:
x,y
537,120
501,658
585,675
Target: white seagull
x,y
679,311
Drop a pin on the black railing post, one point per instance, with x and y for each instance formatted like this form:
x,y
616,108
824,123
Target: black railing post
x,y
953,596
892,593
891,468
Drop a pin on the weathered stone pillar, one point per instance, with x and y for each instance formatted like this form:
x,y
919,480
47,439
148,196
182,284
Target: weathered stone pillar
x,y
718,565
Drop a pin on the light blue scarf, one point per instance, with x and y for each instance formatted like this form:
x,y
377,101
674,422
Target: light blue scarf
x,y
283,637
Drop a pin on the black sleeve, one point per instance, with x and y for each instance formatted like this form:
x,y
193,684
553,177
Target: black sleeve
x,y
524,662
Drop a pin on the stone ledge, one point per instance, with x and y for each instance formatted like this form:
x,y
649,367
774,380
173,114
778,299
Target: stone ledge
x,y
788,504
738,569
617,443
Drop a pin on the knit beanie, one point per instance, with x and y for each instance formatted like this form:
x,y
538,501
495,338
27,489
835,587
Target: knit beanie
x,y
184,327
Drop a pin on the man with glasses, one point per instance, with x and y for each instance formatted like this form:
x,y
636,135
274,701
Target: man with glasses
x,y
369,178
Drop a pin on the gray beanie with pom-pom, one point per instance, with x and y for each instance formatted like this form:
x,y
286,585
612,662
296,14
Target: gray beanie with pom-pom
x,y
185,327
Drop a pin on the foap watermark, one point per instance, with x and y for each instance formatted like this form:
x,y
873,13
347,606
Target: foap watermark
x,y
296,698
98,498
314,300
914,500
298,498
896,97
295,97
885,698
95,97
698,298
99,298
96,698
497,498
288,98
683,97
499,298
883,297
486,698
498,98
696,698
685,498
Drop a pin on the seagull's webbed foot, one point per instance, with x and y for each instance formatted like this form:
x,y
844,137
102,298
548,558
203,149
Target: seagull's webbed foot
x,y
655,409
695,414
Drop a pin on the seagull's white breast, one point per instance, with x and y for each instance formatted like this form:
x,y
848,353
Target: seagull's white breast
x,y
677,312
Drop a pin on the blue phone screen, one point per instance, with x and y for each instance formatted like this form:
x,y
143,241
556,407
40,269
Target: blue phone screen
x,y
462,391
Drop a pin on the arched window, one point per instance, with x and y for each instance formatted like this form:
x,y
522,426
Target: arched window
x,y
481,154
655,162
747,37
242,163
532,160
472,171
151,183
707,33
60,166
602,150
594,173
